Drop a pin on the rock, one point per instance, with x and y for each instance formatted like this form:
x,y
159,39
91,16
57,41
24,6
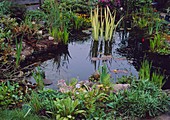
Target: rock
x,y
21,73
50,38
118,87
47,82
45,35
95,58
106,57
86,31
40,32
27,51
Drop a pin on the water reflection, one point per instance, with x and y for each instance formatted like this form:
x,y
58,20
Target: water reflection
x,y
62,58
79,59
100,51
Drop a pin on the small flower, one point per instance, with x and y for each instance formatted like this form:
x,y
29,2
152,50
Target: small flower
x,y
33,22
121,8
143,40
78,86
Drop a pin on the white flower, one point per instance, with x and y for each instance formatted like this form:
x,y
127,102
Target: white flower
x,y
121,8
78,86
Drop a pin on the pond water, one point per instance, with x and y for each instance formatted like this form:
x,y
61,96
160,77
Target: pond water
x,y
82,57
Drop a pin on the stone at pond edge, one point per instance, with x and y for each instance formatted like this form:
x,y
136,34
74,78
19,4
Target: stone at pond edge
x,y
47,82
118,87
50,38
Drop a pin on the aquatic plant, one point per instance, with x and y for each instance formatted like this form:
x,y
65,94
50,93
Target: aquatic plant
x,y
104,26
145,70
105,77
157,26
142,22
110,26
146,74
95,23
156,43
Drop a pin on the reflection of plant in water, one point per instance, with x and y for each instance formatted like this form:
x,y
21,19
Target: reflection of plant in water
x,y
100,50
62,58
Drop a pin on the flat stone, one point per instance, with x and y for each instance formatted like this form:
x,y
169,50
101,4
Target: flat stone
x,y
47,82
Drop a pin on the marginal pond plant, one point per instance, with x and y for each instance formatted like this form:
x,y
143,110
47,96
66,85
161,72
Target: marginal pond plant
x,y
145,73
103,26
159,45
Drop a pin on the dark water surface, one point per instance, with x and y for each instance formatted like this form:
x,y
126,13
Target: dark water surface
x,y
84,57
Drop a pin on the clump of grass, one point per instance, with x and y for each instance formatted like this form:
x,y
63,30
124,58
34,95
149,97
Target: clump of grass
x,y
145,70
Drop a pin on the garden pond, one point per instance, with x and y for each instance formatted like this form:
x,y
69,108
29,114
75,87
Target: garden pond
x,y
83,56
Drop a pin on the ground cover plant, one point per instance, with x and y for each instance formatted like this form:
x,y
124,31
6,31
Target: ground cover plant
x,y
94,100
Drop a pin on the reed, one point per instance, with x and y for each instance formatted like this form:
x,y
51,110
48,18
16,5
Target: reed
x,y
102,24
110,25
95,23
105,26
